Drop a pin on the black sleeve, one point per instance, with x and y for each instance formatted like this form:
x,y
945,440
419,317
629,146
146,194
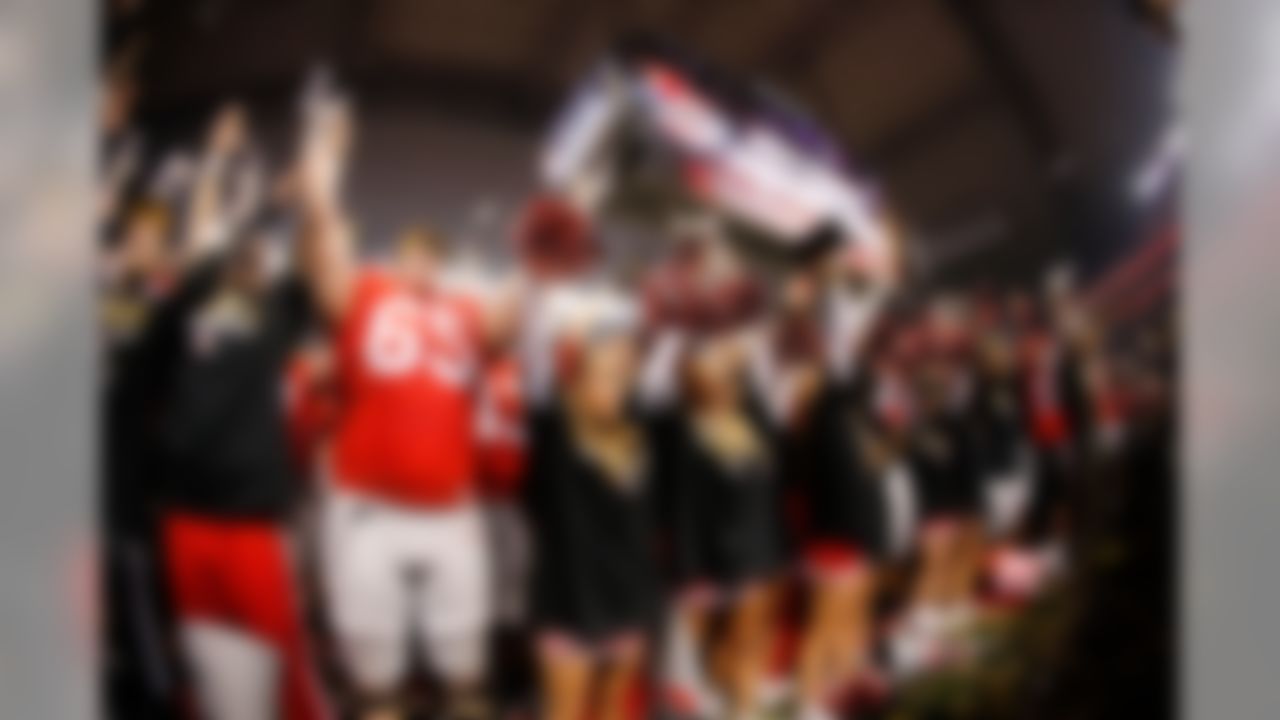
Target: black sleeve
x,y
758,411
198,283
557,510
662,433
986,431
685,486
293,303
825,421
967,441
1075,395
160,345
835,458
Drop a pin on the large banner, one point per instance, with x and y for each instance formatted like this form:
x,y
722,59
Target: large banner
x,y
645,119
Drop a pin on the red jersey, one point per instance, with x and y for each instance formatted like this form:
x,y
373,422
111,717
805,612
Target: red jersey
x,y
310,407
1047,416
406,366
500,429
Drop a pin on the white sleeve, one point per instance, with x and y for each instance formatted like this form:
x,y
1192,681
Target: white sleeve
x,y
552,312
849,318
767,380
537,348
658,385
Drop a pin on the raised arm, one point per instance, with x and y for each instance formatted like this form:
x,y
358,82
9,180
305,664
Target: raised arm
x,y
781,390
326,251
765,378
537,344
658,383
208,225
849,316
560,316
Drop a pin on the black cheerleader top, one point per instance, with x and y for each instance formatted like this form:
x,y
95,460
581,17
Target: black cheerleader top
x,y
594,575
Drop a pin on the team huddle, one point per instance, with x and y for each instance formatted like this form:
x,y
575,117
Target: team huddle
x,y
563,491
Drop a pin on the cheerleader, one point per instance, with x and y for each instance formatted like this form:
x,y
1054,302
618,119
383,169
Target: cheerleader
x,y
587,491
725,538
1004,453
846,504
1006,461
943,454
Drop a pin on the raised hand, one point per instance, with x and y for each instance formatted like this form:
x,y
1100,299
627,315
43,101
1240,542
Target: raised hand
x,y
323,153
326,250
228,132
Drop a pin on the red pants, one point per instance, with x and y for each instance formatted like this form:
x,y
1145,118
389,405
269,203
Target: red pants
x,y
238,573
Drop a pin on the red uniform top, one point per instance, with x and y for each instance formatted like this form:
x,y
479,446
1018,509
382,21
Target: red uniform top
x,y
310,408
406,366
500,429
1047,416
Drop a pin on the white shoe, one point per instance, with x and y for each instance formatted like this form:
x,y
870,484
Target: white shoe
x,y
913,647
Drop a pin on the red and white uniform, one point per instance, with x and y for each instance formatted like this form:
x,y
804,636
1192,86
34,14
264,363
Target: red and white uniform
x,y
500,429
310,409
232,588
404,471
407,366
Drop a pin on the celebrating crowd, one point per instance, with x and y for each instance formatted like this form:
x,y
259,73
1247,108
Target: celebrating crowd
x,y
695,492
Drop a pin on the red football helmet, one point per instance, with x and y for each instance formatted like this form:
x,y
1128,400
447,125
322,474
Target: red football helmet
x,y
554,237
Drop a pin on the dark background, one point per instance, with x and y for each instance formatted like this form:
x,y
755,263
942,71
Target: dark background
x,y
1005,132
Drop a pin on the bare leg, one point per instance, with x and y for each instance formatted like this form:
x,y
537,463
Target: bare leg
x,y
746,648
566,680
856,623
930,587
818,649
694,613
622,674
966,562
917,641
685,669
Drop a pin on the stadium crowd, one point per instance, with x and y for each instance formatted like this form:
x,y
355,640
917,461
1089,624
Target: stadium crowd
x,y
402,485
